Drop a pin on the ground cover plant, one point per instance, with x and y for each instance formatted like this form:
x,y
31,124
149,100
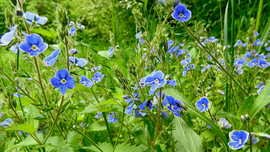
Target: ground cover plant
x,y
171,87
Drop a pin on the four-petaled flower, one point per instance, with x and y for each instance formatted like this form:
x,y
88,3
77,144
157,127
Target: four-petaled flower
x,y
33,44
175,106
86,82
30,17
110,52
258,42
63,81
224,123
156,80
98,77
202,104
238,139
172,83
51,59
181,13
78,61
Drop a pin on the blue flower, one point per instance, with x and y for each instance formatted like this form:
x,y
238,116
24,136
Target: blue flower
x,y
51,59
186,61
8,36
86,82
155,80
263,64
99,114
172,83
256,33
33,44
111,118
253,62
248,54
212,39
98,77
71,23
131,101
138,35
244,44
17,95
170,43
175,106
181,13
63,81
185,71
258,42
202,104
238,43
206,67
260,89
179,52
72,30
238,139
78,61
6,123
111,51
224,123
15,48
172,50
147,103
259,85
81,26
30,17
95,69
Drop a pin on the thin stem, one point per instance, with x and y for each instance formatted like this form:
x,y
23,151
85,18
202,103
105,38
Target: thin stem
x,y
66,45
40,81
157,124
120,130
207,51
104,117
55,120
250,138
88,139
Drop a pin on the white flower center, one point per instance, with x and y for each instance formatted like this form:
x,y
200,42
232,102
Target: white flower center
x,y
181,15
63,81
34,47
156,81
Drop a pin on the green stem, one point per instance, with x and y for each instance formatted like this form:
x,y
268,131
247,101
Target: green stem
x,y
105,118
119,133
207,51
88,139
66,45
55,120
40,81
157,124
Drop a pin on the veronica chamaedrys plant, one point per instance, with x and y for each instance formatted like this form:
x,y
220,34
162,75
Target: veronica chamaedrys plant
x,y
147,103
63,81
111,51
51,59
98,77
33,45
202,104
8,36
238,139
155,80
86,82
181,13
33,17
77,61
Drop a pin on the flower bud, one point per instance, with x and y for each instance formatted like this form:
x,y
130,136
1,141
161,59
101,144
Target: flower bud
x,y
247,116
19,13
243,119
74,51
126,96
199,90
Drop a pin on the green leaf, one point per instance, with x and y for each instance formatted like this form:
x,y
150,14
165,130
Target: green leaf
x,y
226,115
104,54
119,148
192,110
264,34
188,140
246,106
44,32
29,128
29,141
108,102
96,127
262,101
59,143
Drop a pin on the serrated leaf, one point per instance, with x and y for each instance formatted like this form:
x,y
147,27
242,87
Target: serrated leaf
x,y
108,102
192,110
188,140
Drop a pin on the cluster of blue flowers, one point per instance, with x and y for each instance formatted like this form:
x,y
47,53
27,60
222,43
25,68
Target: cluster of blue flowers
x,y
72,30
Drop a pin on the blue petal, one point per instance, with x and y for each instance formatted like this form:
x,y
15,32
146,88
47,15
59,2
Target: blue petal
x,y
235,145
33,39
56,82
30,17
25,47
63,89
73,60
70,82
62,74
158,75
7,38
161,83
81,62
42,47
42,20
34,53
